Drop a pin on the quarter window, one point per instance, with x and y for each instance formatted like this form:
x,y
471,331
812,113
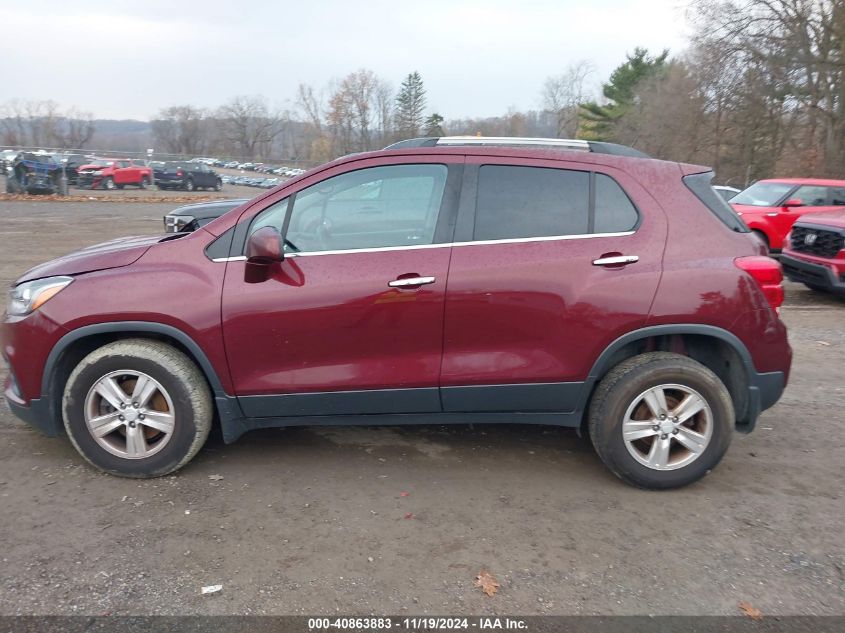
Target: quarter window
x,y
516,202
615,212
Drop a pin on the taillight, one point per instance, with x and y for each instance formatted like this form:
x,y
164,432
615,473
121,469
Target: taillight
x,y
768,275
180,173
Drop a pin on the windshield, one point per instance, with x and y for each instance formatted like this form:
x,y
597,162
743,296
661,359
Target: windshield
x,y
100,162
763,194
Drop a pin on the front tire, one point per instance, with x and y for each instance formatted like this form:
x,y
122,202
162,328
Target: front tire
x,y
661,420
218,186
144,182
137,408
108,184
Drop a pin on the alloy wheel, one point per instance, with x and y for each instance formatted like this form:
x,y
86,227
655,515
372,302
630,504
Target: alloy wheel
x,y
667,427
130,414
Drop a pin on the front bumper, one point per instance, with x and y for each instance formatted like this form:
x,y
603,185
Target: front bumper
x,y
38,414
813,273
88,181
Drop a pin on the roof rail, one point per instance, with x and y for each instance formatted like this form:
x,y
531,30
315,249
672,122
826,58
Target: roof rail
x,y
598,147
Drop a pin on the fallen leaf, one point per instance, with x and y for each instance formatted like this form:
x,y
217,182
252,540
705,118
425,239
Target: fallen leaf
x,y
750,611
410,515
487,582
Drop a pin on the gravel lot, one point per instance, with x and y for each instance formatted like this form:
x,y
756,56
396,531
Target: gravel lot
x,y
314,521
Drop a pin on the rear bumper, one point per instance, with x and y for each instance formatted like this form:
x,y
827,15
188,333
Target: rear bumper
x,y
814,273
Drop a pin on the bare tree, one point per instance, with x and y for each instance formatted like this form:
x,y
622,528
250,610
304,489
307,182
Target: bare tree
x,y
180,130
563,94
250,125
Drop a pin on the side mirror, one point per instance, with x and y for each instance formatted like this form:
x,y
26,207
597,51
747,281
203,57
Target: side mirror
x,y
793,202
265,246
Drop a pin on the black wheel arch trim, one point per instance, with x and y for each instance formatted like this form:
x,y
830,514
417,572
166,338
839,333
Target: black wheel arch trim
x,y
764,389
130,327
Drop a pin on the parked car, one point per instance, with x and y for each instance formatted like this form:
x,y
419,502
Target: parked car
x,y
192,216
114,173
232,164
814,253
34,173
440,282
188,176
726,192
771,207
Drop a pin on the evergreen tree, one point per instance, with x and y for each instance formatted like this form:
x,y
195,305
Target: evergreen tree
x,y
410,105
597,120
433,126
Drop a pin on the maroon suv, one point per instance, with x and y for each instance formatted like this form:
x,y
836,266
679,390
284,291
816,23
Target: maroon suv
x,y
450,280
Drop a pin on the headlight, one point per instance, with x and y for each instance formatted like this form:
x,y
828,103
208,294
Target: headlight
x,y
28,297
175,223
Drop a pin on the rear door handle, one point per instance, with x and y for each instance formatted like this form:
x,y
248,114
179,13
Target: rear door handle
x,y
411,282
616,260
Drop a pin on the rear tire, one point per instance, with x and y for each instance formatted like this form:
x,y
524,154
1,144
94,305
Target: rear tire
x,y
159,436
218,186
189,185
629,436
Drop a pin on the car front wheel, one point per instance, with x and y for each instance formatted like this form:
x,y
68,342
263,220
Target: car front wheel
x,y
137,408
661,420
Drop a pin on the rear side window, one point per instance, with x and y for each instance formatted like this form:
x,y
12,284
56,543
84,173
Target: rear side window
x,y
837,196
614,212
699,184
515,202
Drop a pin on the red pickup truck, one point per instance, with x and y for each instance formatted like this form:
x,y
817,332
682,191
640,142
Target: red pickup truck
x,y
114,173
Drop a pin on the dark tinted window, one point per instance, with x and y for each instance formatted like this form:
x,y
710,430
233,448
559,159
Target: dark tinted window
x,y
699,184
516,202
837,196
811,195
615,212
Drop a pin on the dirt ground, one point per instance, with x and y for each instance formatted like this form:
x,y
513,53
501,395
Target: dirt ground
x,y
311,521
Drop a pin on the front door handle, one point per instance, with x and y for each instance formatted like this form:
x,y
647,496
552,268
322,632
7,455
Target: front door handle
x,y
616,260
411,282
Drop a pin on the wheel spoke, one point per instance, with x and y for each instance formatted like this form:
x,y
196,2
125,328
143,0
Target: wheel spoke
x,y
145,387
158,420
695,442
690,405
636,429
655,399
105,424
110,391
658,456
136,445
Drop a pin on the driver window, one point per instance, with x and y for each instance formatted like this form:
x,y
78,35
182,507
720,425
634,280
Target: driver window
x,y
394,205
811,196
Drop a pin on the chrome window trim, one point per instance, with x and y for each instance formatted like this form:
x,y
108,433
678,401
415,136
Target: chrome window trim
x,y
513,240
382,249
237,258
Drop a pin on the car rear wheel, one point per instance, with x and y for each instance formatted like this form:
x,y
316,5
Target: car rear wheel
x,y
661,420
218,186
189,185
137,408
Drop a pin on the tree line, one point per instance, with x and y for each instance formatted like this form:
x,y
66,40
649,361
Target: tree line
x,y
758,92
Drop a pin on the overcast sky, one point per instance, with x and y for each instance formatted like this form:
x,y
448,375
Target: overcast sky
x,y
128,59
